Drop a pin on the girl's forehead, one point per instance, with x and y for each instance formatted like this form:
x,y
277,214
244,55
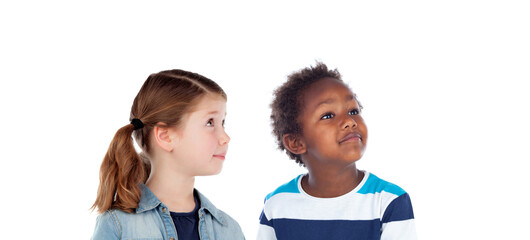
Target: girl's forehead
x,y
210,104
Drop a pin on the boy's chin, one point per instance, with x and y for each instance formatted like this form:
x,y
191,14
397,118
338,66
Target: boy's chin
x,y
354,160
354,156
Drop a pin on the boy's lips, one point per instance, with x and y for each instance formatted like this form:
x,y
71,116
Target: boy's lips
x,y
351,137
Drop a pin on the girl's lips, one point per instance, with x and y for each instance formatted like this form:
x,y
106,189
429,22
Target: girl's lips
x,y
222,157
351,137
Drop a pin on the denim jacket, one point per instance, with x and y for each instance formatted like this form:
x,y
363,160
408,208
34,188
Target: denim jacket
x,y
152,220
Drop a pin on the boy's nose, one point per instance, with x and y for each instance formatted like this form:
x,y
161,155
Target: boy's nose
x,y
349,122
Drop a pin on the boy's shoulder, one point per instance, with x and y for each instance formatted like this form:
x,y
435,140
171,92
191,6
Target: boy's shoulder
x,y
289,187
372,184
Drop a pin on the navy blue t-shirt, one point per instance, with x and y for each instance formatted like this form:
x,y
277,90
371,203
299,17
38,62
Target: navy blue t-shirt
x,y
187,224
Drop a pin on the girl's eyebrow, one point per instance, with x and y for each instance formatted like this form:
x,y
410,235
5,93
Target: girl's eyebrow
x,y
215,112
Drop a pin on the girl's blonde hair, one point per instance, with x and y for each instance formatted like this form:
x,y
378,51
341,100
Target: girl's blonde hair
x,y
164,98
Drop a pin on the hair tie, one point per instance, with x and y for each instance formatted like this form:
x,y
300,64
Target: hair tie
x,y
137,123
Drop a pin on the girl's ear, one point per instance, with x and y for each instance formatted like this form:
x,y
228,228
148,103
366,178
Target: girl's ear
x,y
163,138
294,144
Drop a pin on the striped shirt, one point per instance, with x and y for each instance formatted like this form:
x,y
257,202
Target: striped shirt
x,y
375,209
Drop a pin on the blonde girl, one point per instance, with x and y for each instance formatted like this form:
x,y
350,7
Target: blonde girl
x,y
177,119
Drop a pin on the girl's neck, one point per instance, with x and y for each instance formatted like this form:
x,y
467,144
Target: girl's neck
x,y
175,191
330,182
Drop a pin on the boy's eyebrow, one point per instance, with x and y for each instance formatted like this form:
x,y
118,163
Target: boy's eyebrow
x,y
326,101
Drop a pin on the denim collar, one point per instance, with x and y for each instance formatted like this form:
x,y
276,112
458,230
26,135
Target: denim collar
x,y
149,201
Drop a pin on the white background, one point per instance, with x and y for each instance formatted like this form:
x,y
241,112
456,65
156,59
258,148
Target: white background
x,y
443,83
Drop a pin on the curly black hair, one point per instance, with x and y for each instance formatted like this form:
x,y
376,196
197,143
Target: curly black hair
x,y
287,102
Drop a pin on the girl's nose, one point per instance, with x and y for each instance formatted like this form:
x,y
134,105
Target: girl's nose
x,y
224,139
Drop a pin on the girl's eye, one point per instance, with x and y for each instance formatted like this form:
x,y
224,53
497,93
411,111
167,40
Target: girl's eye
x,y
327,116
210,122
354,111
223,123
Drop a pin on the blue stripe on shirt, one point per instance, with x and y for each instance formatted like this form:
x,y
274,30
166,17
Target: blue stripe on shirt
x,y
290,187
376,185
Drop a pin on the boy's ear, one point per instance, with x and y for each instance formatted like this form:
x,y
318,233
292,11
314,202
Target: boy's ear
x,y
294,144
163,138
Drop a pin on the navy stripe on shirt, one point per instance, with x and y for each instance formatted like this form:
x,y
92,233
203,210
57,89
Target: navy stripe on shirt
x,y
399,209
264,220
297,229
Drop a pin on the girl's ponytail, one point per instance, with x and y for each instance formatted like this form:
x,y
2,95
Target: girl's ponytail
x,y
120,174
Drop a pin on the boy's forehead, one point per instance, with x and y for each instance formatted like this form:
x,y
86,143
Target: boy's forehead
x,y
327,91
334,98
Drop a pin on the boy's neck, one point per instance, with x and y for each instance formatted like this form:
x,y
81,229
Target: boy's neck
x,y
331,182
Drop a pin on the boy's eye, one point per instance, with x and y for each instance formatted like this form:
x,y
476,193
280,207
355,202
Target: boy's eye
x,y
223,124
327,116
354,111
210,122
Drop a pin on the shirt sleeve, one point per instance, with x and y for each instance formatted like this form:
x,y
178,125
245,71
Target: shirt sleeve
x,y
265,230
398,220
106,227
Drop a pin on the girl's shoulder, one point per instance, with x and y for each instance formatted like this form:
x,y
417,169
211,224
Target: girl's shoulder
x,y
118,224
107,226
